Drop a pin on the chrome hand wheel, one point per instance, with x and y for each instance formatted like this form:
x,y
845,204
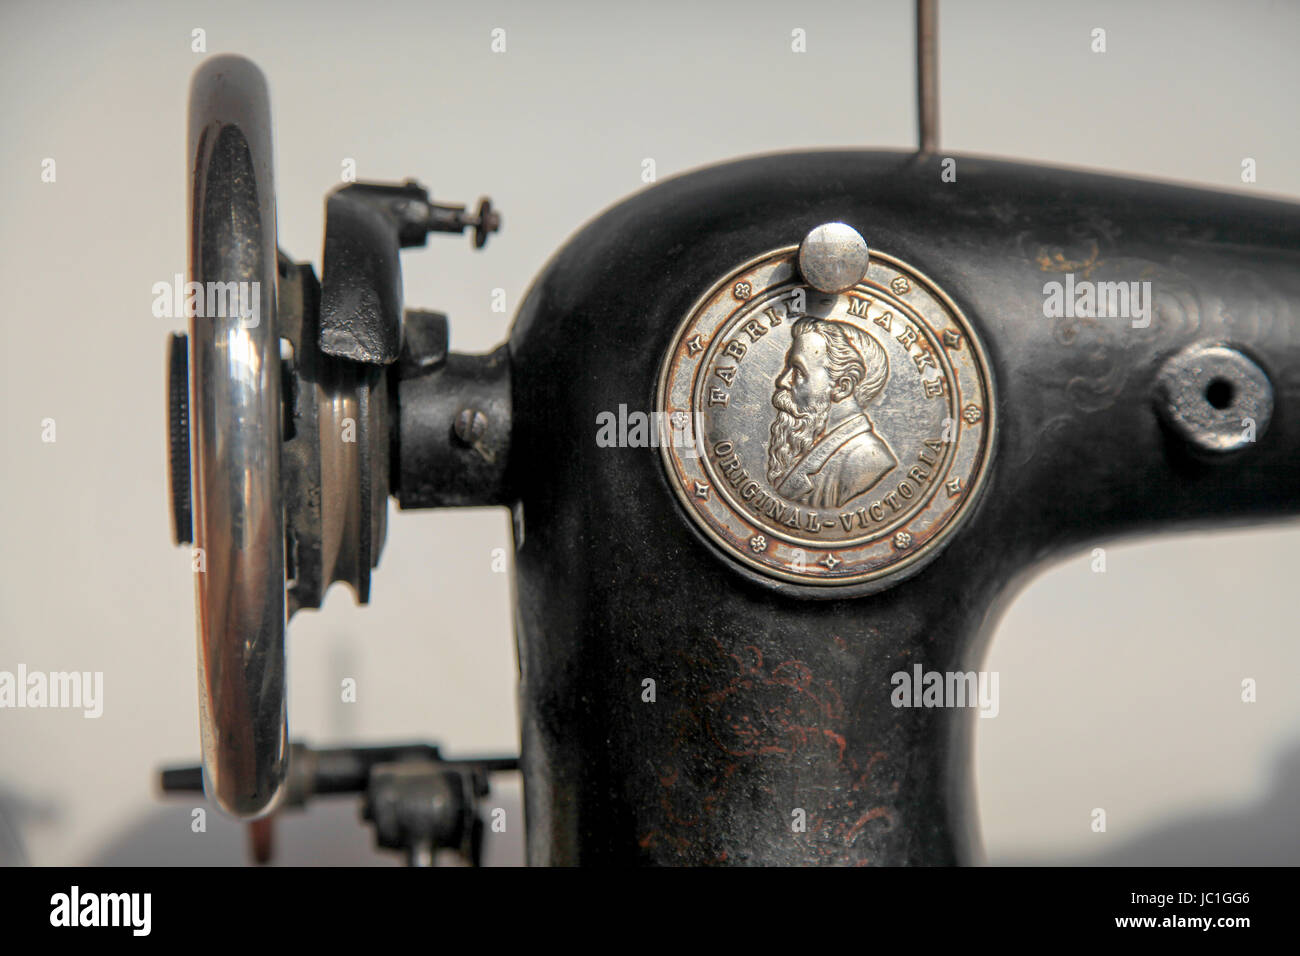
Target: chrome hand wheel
x,y
234,384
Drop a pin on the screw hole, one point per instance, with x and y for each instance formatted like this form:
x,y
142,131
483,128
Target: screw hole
x,y
1219,392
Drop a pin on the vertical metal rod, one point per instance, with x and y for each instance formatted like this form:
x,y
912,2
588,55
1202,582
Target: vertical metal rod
x,y
927,75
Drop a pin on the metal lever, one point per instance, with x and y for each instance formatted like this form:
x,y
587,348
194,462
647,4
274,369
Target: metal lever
x,y
418,801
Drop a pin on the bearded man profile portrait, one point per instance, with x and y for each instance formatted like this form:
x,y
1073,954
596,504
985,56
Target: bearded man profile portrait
x,y
824,450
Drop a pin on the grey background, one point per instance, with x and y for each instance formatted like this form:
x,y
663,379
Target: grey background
x,y
1118,690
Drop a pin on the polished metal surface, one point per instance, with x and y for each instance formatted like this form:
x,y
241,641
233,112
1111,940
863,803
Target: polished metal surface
x,y
1215,398
235,435
827,439
833,257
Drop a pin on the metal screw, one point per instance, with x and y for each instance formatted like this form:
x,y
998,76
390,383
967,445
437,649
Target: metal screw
x,y
471,425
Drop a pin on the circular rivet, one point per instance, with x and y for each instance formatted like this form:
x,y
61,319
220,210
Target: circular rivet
x,y
833,257
1214,397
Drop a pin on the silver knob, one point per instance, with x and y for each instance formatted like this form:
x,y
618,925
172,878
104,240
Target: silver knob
x,y
833,257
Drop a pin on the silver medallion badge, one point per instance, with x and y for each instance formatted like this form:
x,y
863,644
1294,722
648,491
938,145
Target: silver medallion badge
x,y
837,412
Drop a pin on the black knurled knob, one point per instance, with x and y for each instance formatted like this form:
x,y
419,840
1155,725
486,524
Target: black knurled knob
x,y
178,436
486,222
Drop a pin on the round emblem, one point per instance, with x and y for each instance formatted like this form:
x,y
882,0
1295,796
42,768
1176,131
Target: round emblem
x,y
827,438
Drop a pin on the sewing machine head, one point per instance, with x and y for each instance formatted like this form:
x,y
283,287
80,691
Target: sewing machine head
x,y
824,412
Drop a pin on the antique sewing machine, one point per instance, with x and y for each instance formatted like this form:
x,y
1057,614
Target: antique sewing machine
x,y
824,413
